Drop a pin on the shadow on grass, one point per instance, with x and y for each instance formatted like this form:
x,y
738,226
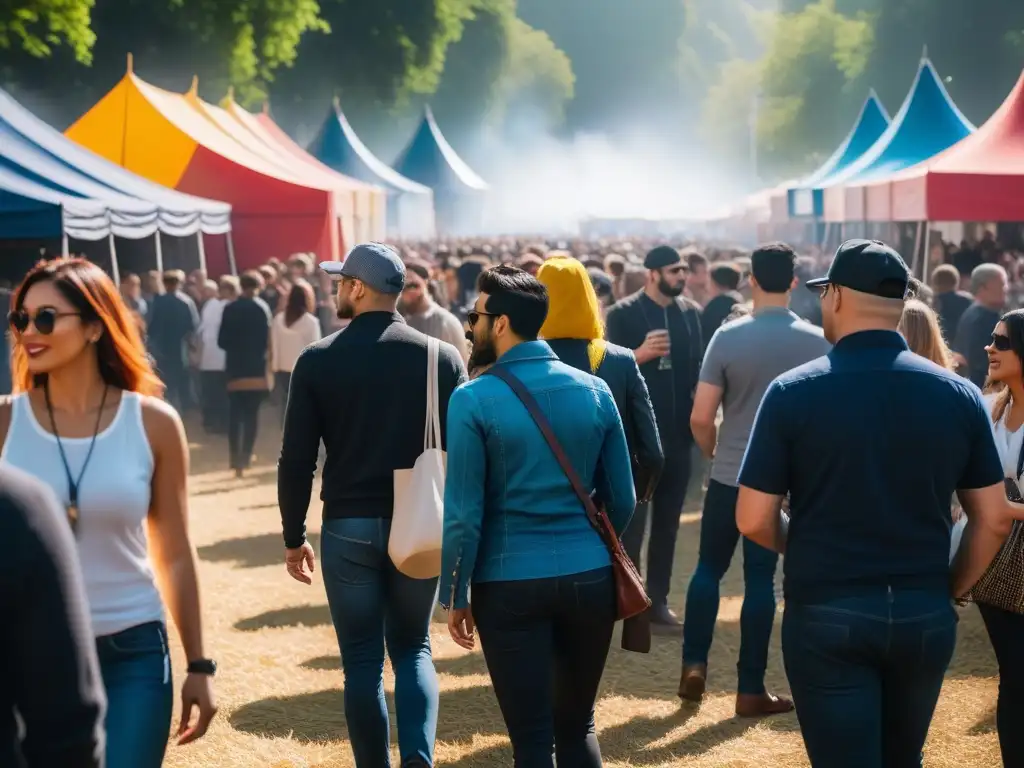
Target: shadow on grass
x,y
320,716
297,616
987,724
253,478
251,551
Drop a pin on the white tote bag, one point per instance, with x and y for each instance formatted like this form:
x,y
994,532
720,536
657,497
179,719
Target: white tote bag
x,y
417,523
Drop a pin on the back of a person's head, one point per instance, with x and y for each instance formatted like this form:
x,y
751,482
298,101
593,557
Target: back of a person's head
x,y
983,274
694,258
773,266
726,276
573,310
173,278
945,278
517,294
250,281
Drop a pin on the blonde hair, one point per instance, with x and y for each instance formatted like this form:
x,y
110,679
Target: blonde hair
x,y
920,327
573,309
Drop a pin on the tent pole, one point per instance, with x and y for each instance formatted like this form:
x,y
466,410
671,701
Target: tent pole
x,y
231,254
202,250
159,253
113,261
916,270
65,246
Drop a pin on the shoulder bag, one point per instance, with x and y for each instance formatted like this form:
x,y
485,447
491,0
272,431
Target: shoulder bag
x,y
414,544
631,599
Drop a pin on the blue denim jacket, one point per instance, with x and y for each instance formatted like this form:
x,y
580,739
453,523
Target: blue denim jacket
x,y
509,510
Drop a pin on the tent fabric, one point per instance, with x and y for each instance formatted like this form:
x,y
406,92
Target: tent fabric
x,y
430,160
33,211
165,138
807,199
176,214
981,178
928,123
336,145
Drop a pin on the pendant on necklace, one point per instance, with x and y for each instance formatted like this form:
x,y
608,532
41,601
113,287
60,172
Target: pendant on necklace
x,y
73,514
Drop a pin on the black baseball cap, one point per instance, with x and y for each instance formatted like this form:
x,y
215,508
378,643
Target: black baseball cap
x,y
867,266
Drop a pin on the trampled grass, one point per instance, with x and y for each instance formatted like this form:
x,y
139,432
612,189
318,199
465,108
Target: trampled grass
x,y
280,685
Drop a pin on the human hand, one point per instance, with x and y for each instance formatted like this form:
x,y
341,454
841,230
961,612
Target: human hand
x,y
297,559
197,694
461,628
656,344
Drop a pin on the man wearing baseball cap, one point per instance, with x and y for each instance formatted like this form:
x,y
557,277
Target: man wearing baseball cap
x,y
363,391
870,442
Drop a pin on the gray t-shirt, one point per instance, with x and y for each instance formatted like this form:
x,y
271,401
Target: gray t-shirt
x,y
438,322
743,358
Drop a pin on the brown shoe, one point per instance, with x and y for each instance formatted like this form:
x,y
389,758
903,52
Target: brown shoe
x,y
693,682
761,705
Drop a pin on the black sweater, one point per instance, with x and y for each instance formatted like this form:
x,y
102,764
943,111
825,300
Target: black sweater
x,y
244,336
363,391
48,667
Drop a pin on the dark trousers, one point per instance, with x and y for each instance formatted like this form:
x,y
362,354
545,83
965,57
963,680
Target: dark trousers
x,y
178,385
282,382
213,393
373,605
1006,631
663,510
718,539
243,423
866,672
545,642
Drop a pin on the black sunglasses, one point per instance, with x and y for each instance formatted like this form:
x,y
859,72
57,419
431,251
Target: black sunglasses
x,y
1001,342
473,316
45,319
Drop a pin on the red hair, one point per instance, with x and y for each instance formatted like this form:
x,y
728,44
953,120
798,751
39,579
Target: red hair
x,y
122,356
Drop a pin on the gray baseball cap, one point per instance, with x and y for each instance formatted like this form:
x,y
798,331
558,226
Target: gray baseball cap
x,y
376,264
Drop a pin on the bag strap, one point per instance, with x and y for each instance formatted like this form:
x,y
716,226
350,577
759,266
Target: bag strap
x,y
544,425
432,423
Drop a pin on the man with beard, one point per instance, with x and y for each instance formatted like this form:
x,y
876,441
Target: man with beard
x,y
663,329
426,315
363,391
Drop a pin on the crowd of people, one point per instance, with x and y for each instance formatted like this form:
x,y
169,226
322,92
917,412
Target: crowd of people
x,y
836,420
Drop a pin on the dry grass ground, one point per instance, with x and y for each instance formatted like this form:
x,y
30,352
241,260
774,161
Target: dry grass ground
x,y
280,686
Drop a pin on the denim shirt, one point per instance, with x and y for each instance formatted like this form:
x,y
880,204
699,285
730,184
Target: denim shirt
x,y
510,512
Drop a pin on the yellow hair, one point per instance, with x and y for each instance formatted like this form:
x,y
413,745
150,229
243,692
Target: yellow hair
x,y
573,309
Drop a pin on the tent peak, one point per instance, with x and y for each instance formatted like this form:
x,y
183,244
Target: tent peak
x,y
231,94
924,53
130,70
336,101
266,107
193,90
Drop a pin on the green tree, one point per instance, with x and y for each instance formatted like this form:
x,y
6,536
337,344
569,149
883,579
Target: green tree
x,y
37,26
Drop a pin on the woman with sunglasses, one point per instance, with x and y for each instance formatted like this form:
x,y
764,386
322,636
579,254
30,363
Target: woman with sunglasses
x,y
85,421
1005,398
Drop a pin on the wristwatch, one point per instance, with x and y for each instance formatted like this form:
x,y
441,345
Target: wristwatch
x,y
202,667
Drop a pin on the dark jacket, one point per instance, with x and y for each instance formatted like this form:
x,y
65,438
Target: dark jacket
x,y
619,371
363,391
245,336
716,311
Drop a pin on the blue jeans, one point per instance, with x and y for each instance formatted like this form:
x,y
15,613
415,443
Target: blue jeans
x,y
136,669
866,672
718,539
372,603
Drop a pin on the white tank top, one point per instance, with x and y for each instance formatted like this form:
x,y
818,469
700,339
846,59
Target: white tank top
x,y
113,502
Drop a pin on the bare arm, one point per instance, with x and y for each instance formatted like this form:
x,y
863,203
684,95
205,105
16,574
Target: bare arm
x,y
989,519
759,517
706,402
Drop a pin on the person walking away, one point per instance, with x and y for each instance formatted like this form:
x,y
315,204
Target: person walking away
x,y
426,315
245,338
49,676
989,284
86,422
363,391
698,285
742,359
724,292
949,301
292,331
516,533
213,384
870,443
663,330
1005,627
173,320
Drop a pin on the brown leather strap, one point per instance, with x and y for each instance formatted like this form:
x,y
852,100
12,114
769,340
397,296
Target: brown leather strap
x,y
534,410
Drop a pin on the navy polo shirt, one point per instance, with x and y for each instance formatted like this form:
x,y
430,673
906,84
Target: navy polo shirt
x,y
870,441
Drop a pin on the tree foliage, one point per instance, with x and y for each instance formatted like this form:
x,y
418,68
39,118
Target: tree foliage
x,y
37,26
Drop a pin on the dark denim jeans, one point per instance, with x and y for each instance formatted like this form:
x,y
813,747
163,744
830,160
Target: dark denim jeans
x,y
546,642
718,538
243,425
1006,632
372,603
213,395
663,510
866,672
136,669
